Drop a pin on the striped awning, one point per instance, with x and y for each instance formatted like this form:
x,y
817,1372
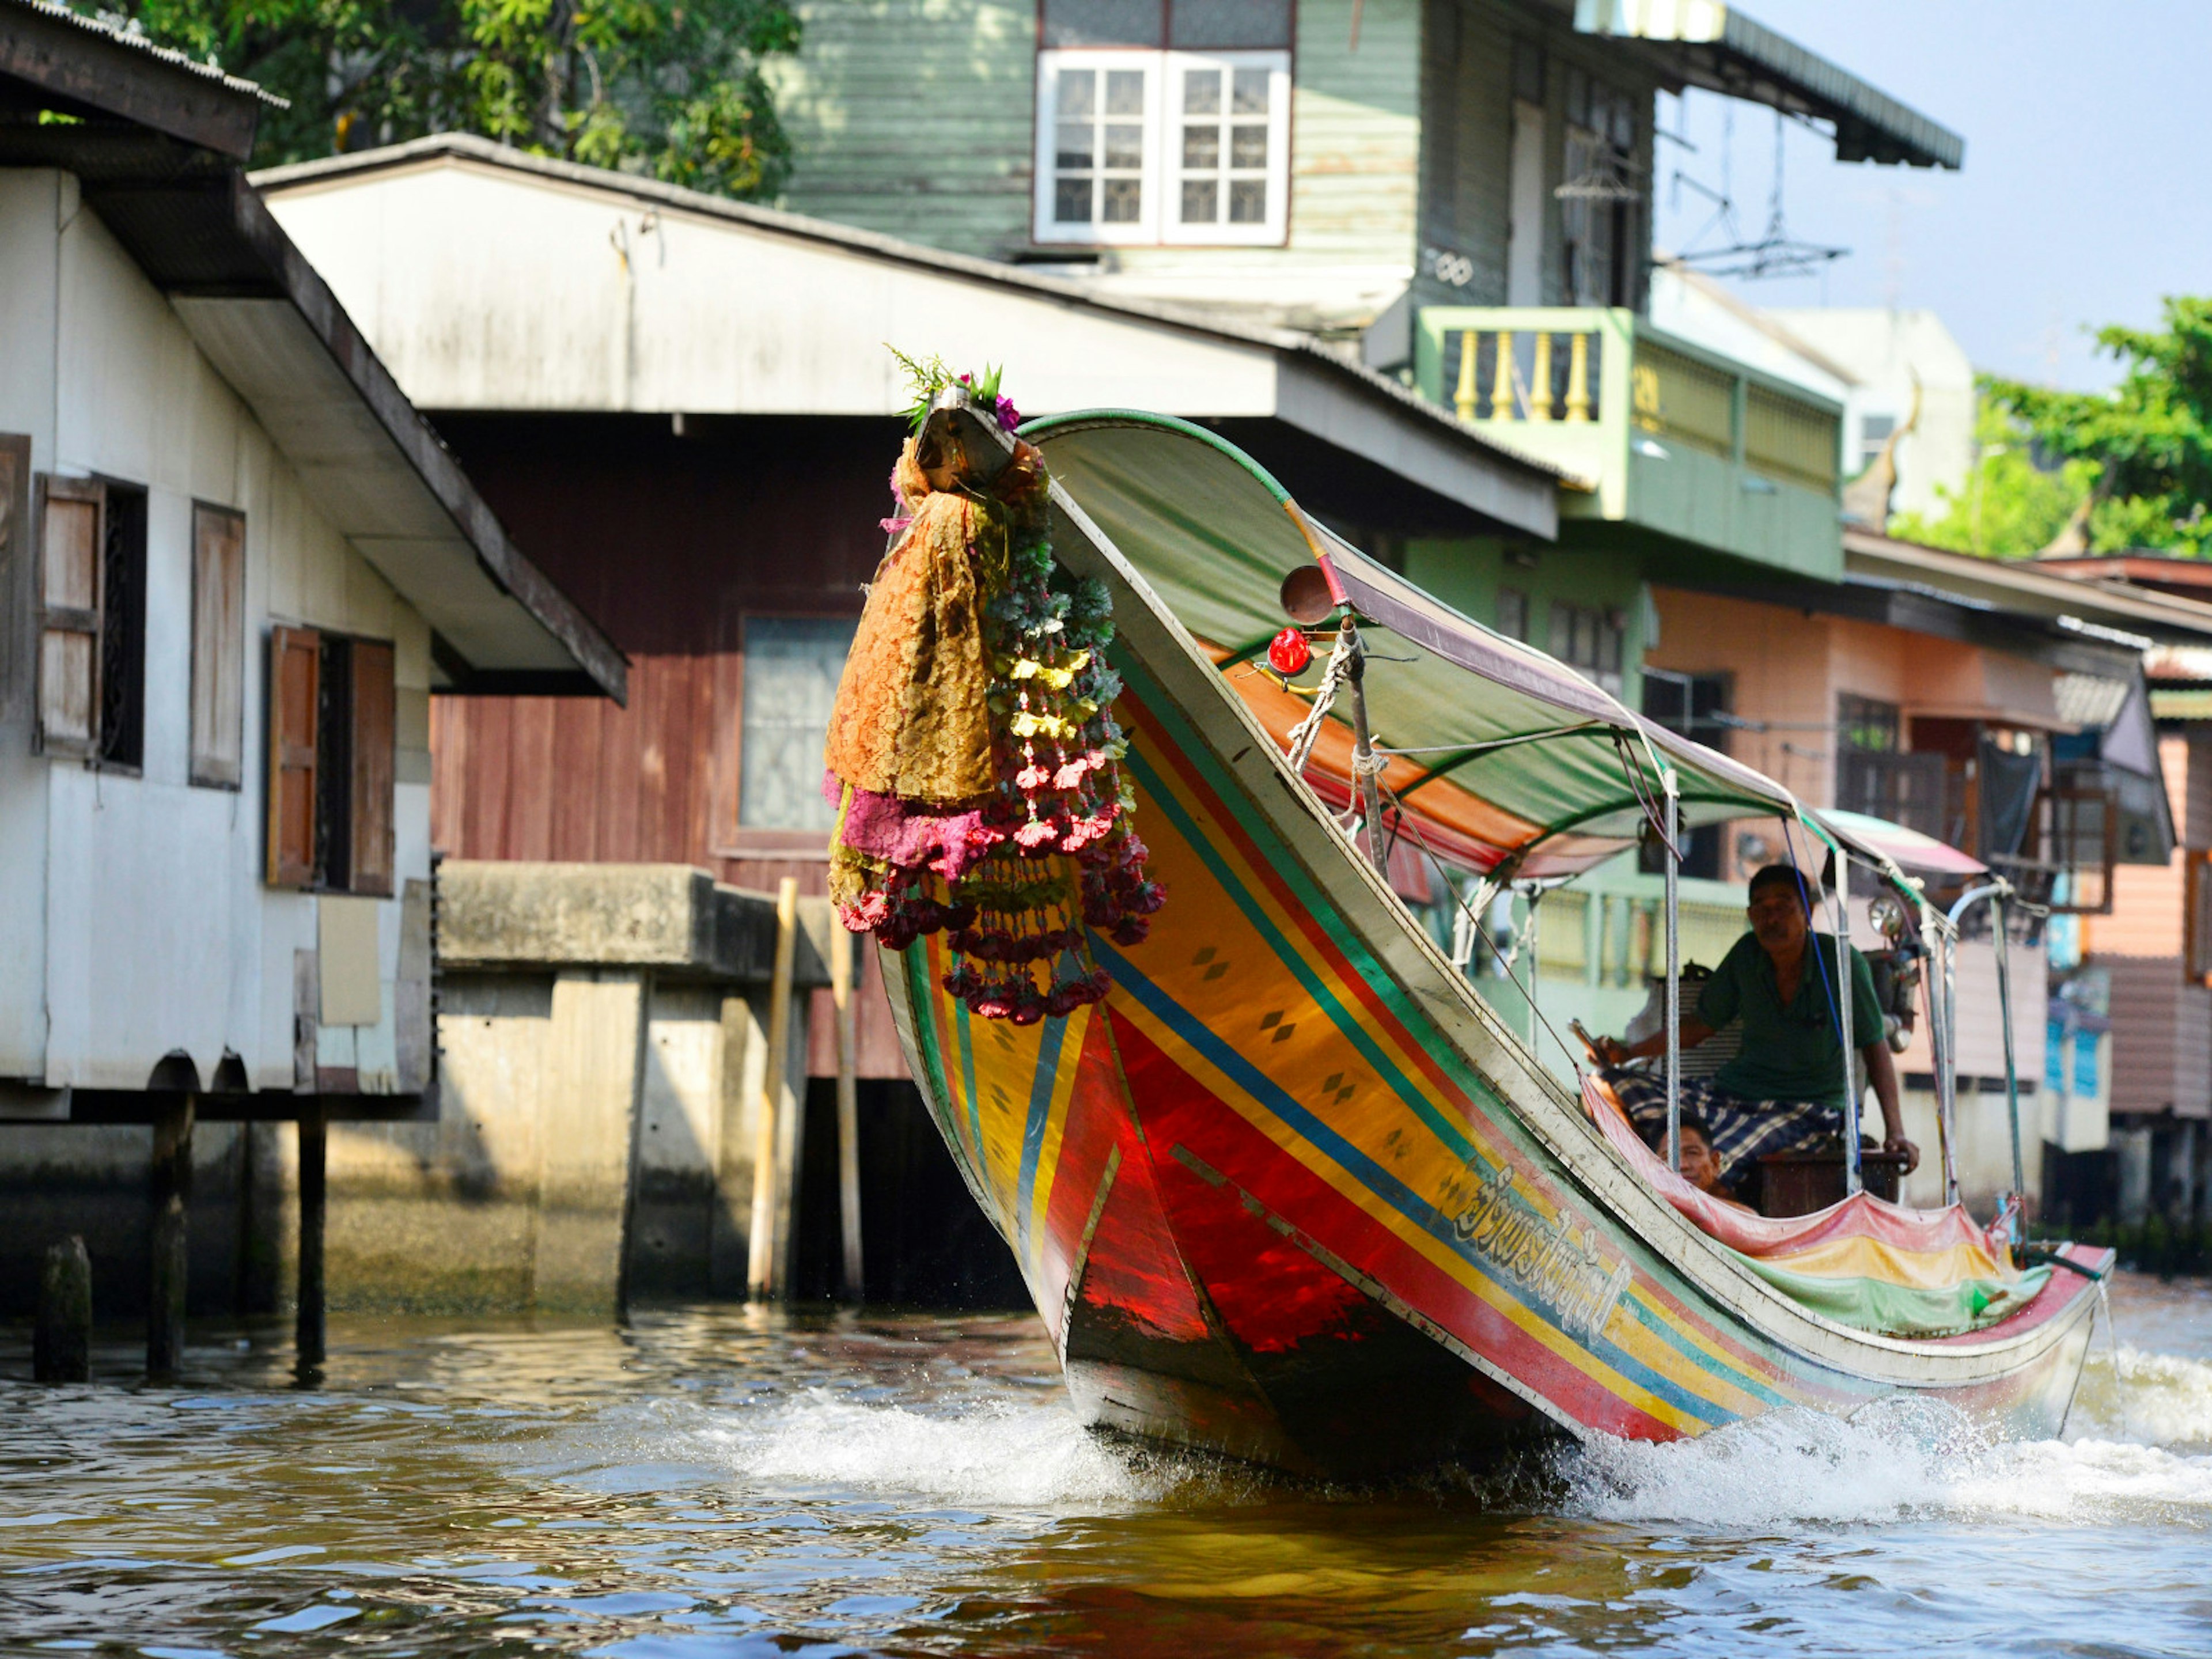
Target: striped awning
x,y
1496,753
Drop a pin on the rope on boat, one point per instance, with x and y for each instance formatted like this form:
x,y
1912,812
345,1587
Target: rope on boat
x,y
1306,730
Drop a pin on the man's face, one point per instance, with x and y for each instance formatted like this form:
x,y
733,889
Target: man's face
x,y
1699,1167
1778,919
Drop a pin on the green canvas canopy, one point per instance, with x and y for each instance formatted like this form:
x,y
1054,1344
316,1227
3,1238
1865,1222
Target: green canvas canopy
x,y
1505,759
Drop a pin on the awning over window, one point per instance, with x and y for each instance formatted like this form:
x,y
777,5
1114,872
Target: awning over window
x,y
1703,43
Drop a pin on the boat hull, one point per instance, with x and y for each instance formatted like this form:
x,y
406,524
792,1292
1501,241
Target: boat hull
x,y
1293,1194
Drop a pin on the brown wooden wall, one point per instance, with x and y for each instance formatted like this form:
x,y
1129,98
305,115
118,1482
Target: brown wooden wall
x,y
668,542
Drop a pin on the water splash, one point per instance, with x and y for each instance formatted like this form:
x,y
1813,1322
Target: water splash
x,y
2156,1400
2133,1455
1001,1453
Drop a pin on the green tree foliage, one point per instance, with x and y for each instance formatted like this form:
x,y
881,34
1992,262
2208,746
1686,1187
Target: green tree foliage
x,y
2009,507
672,88
2127,468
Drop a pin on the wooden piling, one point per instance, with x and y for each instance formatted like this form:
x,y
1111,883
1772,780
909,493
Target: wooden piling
x,y
61,1346
172,1187
762,1280
310,1328
848,1105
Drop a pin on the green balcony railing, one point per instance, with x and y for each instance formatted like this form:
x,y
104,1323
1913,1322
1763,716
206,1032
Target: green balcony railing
x,y
1667,434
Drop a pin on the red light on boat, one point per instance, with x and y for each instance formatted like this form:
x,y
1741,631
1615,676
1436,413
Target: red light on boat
x,y
1288,653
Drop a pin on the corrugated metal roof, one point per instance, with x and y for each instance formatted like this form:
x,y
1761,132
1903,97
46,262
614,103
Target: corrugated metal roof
x,y
1712,46
127,31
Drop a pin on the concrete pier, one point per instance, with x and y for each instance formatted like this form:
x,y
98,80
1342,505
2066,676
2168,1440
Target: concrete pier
x,y
604,1036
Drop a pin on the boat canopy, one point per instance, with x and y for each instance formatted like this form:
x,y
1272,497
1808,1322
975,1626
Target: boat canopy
x,y
1500,759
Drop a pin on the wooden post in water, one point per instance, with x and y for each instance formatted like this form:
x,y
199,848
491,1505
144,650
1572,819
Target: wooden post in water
x,y
848,1105
760,1277
171,1192
310,1330
61,1347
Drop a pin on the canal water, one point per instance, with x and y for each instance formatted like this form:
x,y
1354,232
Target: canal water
x,y
716,1483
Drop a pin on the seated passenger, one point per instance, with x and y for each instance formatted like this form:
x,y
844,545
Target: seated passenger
x,y
1784,1091
1699,1167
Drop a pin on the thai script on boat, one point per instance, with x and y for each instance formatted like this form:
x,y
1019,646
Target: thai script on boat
x,y
1559,1264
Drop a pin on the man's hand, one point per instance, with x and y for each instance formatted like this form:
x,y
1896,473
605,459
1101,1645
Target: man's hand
x,y
1611,1051
1900,1144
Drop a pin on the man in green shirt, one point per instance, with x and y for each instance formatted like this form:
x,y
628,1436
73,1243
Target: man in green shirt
x,y
1783,1091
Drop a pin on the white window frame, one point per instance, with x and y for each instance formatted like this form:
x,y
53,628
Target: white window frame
x,y
1265,233
1159,222
1096,232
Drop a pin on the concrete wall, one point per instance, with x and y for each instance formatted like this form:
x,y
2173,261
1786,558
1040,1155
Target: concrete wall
x,y
604,1034
595,1143
137,921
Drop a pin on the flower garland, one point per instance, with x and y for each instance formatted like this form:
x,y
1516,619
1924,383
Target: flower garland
x,y
1019,879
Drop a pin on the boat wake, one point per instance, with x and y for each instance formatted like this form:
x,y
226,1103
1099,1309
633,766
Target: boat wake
x,y
2138,1449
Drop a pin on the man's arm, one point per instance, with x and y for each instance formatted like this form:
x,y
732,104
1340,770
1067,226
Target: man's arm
x,y
1614,1053
1881,1071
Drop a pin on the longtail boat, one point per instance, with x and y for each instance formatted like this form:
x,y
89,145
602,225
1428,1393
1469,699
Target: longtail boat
x,y
1283,1186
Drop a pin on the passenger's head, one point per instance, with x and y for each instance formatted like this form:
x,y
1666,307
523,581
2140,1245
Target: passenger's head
x,y
1701,1166
1779,903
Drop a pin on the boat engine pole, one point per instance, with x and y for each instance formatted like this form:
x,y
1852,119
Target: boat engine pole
x,y
1670,783
1366,770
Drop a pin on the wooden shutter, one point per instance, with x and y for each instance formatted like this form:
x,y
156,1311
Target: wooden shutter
x,y
218,647
295,658
72,536
2197,916
373,727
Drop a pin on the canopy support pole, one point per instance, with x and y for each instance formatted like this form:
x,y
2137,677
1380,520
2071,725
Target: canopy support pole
x,y
1946,1078
1670,782
1839,902
1946,1100
2011,1073
1366,769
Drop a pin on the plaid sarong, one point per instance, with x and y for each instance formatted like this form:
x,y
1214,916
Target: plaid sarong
x,y
1742,1130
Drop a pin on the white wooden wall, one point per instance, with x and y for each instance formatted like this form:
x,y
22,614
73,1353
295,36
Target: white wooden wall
x,y
133,916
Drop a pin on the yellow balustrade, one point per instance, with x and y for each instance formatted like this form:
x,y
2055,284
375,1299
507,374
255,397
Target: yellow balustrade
x,y
1578,398
1463,396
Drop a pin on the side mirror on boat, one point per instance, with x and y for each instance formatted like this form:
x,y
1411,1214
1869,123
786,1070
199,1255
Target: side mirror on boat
x,y
1306,597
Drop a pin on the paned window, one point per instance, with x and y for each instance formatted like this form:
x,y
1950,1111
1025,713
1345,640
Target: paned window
x,y
91,627
1694,705
331,730
1513,613
791,668
1600,194
1101,115
1874,437
1590,640
1164,121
